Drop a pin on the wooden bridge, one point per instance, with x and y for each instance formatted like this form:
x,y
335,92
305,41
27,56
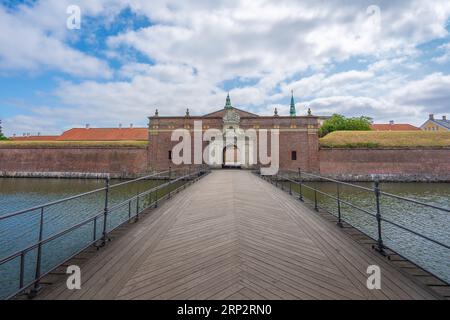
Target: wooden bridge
x,y
234,236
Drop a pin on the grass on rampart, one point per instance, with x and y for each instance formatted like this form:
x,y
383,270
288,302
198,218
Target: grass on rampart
x,y
73,144
386,139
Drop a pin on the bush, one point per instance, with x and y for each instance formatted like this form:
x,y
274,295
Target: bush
x,y
340,123
2,137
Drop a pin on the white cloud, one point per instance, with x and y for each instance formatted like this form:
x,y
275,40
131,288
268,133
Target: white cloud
x,y
430,94
445,57
195,46
27,44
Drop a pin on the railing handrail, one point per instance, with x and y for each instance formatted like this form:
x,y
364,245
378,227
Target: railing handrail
x,y
51,238
370,213
414,201
371,190
86,221
377,215
102,213
77,196
332,180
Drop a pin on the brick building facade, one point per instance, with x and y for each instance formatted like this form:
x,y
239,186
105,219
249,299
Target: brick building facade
x,y
298,138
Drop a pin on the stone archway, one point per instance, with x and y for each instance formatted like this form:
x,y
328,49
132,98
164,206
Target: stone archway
x,y
231,157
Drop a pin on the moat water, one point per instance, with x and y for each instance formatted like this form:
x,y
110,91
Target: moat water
x,y
21,232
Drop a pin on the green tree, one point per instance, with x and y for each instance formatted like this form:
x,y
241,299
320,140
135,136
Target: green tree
x,y
2,137
339,123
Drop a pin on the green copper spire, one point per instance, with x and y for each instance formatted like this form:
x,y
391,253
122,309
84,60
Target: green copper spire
x,y
292,112
228,103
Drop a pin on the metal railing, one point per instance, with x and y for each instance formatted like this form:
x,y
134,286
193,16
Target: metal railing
x,y
298,179
153,196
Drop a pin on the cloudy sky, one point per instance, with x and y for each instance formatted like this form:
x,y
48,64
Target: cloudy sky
x,y
384,59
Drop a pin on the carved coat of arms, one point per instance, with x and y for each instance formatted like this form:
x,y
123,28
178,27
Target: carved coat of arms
x,y
231,117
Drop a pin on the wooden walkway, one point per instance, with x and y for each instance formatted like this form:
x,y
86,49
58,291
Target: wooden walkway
x,y
235,236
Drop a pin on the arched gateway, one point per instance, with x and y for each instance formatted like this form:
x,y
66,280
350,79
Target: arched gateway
x,y
231,157
230,145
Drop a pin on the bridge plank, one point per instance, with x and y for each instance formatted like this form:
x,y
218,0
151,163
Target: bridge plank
x,y
235,236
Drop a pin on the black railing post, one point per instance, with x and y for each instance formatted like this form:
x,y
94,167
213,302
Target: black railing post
x,y
290,187
316,206
136,219
37,275
300,196
22,270
129,211
94,238
105,214
189,174
380,246
339,205
170,180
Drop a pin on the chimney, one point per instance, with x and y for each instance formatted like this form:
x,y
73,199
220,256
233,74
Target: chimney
x,y
88,126
391,122
431,116
444,118
131,125
120,126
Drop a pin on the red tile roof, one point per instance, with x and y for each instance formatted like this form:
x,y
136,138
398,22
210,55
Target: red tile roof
x,y
35,138
105,134
394,127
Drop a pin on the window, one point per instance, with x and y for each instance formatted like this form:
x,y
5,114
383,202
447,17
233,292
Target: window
x,y
170,154
294,155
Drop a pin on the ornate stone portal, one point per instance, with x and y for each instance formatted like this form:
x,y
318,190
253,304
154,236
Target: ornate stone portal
x,y
231,148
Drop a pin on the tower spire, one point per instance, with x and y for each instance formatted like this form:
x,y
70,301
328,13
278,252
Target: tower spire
x,y
228,102
292,112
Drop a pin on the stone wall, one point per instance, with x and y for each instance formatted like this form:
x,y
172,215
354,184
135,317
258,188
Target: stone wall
x,y
343,164
386,164
73,162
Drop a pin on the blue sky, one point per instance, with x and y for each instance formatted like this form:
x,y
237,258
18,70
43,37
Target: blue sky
x,y
386,59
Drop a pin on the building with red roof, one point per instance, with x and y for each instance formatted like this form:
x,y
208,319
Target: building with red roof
x,y
92,134
105,134
391,126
